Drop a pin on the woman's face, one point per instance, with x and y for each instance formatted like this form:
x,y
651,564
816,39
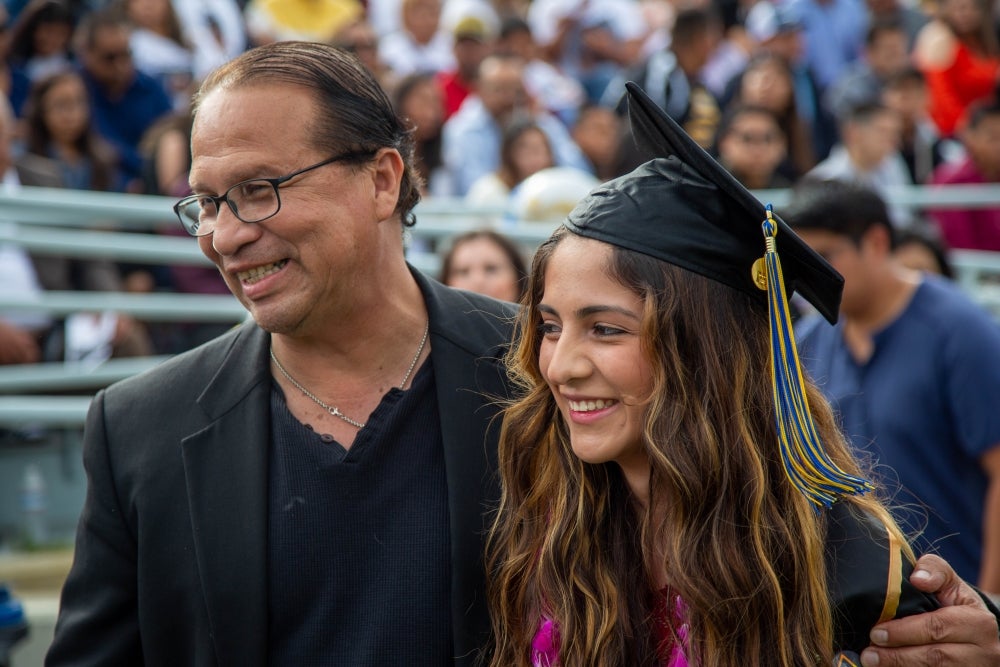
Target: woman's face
x,y
65,110
767,85
592,359
530,154
480,265
964,16
424,108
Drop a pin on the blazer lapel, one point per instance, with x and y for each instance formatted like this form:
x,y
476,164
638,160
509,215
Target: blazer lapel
x,y
469,377
225,466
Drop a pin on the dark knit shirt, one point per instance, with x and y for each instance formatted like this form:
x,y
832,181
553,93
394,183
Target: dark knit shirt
x,y
358,540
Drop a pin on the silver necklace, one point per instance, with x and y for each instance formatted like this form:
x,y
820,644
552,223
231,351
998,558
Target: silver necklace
x,y
334,410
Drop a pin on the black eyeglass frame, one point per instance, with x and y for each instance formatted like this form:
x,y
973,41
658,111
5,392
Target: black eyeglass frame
x,y
275,183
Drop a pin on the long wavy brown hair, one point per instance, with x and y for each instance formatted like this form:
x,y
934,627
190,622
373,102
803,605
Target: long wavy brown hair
x,y
741,546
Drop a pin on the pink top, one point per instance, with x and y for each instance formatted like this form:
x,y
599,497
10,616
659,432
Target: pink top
x,y
545,646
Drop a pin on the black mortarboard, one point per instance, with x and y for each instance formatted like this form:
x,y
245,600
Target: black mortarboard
x,y
689,211
684,208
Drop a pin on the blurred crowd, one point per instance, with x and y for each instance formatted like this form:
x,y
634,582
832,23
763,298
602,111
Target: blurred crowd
x,y
506,99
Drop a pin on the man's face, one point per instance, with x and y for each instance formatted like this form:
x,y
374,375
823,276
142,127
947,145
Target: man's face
x,y
876,138
109,59
310,263
853,261
754,143
501,88
889,53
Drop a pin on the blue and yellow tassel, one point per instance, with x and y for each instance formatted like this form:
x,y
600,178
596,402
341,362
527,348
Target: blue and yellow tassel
x,y
806,463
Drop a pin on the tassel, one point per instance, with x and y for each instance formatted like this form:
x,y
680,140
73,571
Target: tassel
x,y
806,463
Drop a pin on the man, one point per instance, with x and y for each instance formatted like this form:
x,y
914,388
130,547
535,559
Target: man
x,y
219,529
868,154
913,369
124,101
471,138
672,76
973,228
885,54
474,36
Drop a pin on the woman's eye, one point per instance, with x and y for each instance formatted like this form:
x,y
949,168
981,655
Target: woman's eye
x,y
604,330
548,328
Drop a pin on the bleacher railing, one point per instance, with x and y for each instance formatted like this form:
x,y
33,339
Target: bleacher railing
x,y
142,229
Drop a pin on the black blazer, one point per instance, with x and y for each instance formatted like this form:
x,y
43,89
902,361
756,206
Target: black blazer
x,y
170,555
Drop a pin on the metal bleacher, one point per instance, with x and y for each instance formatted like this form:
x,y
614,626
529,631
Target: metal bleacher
x,y
125,228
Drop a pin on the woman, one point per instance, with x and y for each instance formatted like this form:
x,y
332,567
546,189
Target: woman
x,y
486,262
653,512
524,150
417,100
60,139
768,82
958,54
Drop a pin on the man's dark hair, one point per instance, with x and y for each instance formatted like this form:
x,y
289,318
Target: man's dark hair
x,y
981,111
909,75
839,207
882,26
691,24
353,113
92,23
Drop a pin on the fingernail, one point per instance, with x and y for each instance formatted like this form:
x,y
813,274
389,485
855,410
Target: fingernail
x,y
879,637
921,575
869,658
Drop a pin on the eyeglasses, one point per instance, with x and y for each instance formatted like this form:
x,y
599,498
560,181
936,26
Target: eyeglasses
x,y
111,57
253,200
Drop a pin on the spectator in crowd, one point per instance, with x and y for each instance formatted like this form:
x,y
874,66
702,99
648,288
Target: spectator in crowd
x,y
61,147
486,262
22,334
599,132
912,370
959,56
554,90
359,38
124,101
524,150
472,136
421,44
215,28
885,54
776,29
63,151
589,40
833,34
39,43
769,82
160,47
921,145
920,250
473,40
672,75
417,100
309,20
14,83
973,228
751,146
910,17
869,154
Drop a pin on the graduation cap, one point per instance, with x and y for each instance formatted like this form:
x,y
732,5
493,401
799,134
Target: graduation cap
x,y
684,208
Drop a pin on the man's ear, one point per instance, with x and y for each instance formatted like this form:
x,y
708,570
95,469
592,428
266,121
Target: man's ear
x,y
387,175
877,239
